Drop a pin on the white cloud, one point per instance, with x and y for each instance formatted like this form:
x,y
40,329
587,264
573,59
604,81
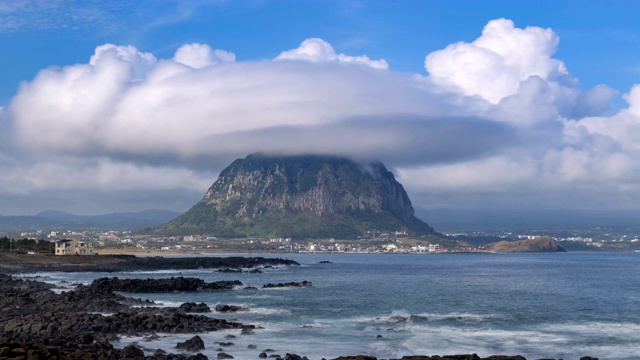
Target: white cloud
x,y
514,71
318,50
125,102
201,55
493,65
138,62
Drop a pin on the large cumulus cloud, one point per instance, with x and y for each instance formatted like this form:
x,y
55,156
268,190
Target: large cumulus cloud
x,y
499,116
130,104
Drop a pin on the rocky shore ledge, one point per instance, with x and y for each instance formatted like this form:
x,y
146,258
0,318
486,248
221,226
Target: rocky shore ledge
x,y
37,323
115,263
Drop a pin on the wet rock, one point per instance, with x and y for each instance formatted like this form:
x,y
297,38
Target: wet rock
x,y
294,357
192,307
224,356
287,284
229,308
193,344
173,284
118,263
131,352
229,270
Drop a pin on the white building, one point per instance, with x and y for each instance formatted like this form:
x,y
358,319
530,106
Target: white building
x,y
73,247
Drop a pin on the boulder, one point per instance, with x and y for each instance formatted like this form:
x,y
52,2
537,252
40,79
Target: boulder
x,y
131,352
229,308
193,344
195,308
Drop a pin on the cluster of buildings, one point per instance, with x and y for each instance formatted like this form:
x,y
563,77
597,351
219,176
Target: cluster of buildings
x,y
343,247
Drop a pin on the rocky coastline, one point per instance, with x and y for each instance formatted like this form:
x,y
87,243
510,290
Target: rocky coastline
x,y
38,323
117,263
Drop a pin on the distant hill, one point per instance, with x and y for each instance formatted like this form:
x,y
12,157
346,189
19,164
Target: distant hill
x,y
51,219
25,223
300,197
539,244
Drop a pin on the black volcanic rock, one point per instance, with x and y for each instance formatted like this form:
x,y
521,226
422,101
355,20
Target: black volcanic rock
x,y
289,284
192,307
173,284
193,344
300,197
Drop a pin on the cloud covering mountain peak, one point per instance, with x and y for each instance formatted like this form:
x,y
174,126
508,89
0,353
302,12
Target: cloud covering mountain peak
x,y
499,114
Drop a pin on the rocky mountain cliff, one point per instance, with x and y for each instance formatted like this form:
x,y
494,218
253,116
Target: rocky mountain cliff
x,y
300,197
539,244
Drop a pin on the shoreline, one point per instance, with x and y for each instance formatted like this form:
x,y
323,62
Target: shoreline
x,y
120,263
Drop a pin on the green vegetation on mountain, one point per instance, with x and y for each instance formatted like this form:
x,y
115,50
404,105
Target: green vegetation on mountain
x,y
300,197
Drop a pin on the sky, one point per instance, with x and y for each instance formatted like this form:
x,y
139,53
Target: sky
x,y
132,105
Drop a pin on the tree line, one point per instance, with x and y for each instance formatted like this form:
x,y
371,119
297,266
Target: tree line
x,y
25,245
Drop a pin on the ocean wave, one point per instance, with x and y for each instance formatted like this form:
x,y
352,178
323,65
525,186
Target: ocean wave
x,y
163,303
261,296
566,340
405,317
165,272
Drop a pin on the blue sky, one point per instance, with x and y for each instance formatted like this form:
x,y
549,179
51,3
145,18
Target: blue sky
x,y
519,104
599,39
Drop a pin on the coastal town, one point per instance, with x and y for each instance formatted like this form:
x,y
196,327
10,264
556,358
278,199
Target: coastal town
x,y
90,242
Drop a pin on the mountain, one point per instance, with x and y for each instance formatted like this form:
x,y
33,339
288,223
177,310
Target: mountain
x,y
25,222
539,244
50,219
300,197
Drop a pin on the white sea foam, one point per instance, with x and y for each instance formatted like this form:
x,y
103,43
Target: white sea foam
x,y
261,296
165,272
401,316
284,288
164,303
269,311
102,313
60,281
550,340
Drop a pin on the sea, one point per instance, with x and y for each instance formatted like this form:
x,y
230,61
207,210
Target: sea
x,y
562,305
